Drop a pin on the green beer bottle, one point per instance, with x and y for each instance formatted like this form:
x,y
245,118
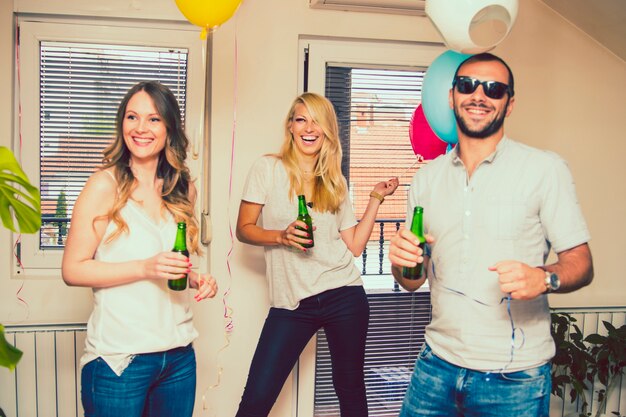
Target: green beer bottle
x,y
303,215
417,228
180,246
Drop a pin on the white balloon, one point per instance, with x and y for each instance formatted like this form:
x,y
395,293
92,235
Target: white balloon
x,y
472,26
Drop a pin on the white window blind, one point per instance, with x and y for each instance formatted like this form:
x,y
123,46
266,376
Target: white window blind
x,y
81,86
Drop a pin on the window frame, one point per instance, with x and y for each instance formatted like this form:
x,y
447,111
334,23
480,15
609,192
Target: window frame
x,y
33,260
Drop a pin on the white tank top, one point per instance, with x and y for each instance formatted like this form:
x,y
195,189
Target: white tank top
x,y
143,316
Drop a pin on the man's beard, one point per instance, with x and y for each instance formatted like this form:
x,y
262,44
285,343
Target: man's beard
x,y
487,131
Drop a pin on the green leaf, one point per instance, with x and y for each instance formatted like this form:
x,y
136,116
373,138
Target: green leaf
x,y
595,339
19,199
608,326
9,355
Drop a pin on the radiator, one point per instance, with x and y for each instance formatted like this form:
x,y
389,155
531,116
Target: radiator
x,y
46,382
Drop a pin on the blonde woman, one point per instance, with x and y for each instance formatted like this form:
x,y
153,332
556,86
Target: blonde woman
x,y
311,288
138,358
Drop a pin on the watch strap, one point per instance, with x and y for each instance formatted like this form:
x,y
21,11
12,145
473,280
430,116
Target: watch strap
x,y
548,281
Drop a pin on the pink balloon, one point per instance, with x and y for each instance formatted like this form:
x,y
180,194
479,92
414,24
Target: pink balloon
x,y
423,140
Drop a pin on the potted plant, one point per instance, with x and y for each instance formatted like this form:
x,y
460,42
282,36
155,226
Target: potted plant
x,y
19,202
579,360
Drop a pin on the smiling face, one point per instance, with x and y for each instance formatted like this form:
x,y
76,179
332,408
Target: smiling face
x,y
144,130
477,115
308,136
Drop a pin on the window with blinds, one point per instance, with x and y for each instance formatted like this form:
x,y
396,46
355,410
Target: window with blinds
x,y
81,86
374,108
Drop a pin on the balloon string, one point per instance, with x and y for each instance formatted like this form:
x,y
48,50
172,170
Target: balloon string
x,y
418,160
18,239
21,266
228,311
514,329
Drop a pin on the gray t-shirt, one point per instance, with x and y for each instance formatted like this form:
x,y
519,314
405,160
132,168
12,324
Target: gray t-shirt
x,y
518,203
293,274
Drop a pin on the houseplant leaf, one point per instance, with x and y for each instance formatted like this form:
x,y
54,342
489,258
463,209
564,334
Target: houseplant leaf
x,y
9,355
19,200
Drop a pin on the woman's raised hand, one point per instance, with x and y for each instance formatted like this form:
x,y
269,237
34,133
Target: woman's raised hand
x,y
388,187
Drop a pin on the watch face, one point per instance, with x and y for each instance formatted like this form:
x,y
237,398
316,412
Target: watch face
x,y
555,282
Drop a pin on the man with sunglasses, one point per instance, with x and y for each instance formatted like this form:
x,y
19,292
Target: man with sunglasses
x,y
493,209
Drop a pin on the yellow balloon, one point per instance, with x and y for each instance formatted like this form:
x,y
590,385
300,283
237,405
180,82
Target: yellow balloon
x,y
208,14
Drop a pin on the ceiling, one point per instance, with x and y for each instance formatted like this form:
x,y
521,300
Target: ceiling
x,y
603,20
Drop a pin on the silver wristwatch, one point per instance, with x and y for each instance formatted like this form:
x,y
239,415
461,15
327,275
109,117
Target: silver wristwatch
x,y
552,282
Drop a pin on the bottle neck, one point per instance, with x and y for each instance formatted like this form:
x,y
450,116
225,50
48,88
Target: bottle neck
x,y
181,238
302,205
417,225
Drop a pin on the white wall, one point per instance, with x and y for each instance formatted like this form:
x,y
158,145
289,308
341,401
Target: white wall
x,y
568,100
6,117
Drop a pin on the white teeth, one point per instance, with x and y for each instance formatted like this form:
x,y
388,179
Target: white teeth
x,y
141,140
309,138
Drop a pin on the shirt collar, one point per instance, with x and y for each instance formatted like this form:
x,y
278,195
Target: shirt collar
x,y
500,147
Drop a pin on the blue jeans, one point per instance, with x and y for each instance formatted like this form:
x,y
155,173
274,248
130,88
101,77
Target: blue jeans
x,y
344,315
439,388
161,384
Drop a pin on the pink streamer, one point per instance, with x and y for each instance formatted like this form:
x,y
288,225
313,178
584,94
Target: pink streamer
x,y
228,311
18,239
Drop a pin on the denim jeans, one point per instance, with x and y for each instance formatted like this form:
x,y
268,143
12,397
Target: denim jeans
x,y
161,384
344,315
439,388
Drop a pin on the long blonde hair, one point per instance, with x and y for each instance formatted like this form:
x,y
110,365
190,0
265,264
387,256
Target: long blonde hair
x,y
171,167
329,188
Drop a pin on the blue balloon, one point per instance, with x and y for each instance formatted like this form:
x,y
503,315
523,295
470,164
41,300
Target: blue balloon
x,y
437,84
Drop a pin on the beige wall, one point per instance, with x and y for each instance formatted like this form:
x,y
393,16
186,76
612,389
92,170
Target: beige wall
x,y
6,117
568,100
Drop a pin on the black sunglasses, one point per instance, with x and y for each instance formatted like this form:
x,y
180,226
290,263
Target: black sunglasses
x,y
493,89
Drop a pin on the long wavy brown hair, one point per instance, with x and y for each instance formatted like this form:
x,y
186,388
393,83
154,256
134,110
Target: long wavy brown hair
x,y
171,167
330,188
